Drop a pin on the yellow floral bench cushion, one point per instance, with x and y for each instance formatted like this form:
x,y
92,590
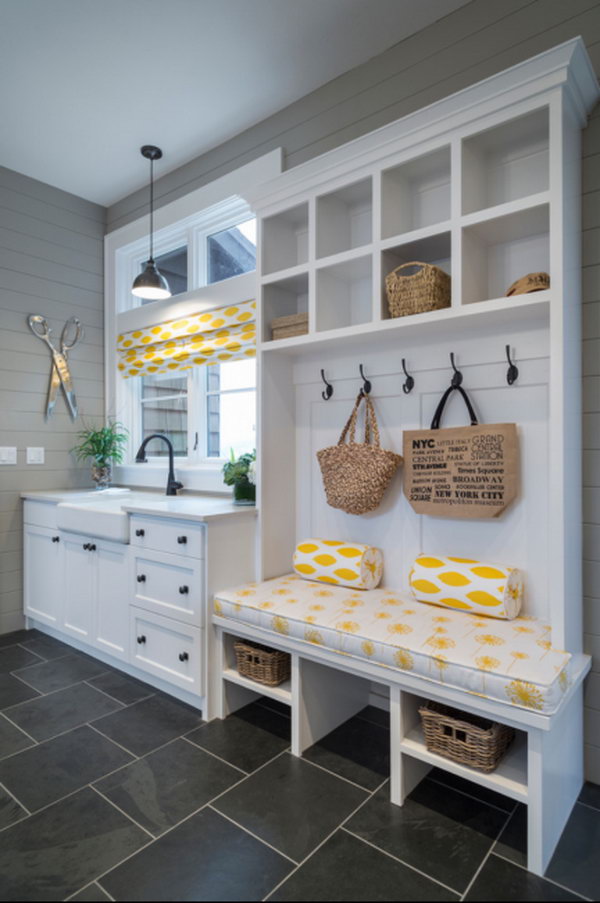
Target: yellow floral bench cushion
x,y
512,662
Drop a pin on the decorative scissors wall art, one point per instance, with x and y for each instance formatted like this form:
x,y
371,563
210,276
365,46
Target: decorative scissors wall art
x,y
60,374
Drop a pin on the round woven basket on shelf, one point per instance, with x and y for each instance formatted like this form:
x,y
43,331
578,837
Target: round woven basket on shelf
x,y
426,288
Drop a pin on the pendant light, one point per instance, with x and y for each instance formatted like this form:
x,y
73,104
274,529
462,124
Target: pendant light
x,y
151,284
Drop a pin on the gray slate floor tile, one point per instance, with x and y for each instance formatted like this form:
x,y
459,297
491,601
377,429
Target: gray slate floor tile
x,y
93,893
576,861
47,647
469,787
62,672
291,805
590,795
247,739
357,751
345,868
205,858
12,658
47,716
121,687
149,724
439,831
12,739
13,691
166,786
54,853
10,810
503,881
19,636
45,773
512,843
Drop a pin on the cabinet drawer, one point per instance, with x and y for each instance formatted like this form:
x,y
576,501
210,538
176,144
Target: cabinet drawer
x,y
184,538
42,514
170,586
167,649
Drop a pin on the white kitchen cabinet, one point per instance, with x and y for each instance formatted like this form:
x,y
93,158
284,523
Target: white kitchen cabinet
x,y
43,575
96,593
167,649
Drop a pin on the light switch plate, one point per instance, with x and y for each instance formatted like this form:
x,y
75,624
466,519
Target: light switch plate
x,y
8,455
35,455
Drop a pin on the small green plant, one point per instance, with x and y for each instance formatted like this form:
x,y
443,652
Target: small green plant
x,y
240,470
103,446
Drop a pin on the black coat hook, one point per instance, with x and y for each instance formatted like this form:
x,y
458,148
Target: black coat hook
x,y
409,383
458,377
513,371
328,390
366,383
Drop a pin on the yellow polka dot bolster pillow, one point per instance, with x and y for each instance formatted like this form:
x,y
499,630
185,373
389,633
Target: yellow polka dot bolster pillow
x,y
334,561
492,590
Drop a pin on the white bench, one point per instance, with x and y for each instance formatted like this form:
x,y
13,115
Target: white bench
x,y
341,641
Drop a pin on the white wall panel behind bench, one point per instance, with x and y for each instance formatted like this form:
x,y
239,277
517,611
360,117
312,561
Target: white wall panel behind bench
x,y
51,246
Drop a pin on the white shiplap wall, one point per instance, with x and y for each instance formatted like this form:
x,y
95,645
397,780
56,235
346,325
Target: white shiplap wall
x,y
476,41
51,246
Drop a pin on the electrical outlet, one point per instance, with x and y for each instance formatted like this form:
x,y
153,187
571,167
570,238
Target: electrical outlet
x,y
8,455
35,455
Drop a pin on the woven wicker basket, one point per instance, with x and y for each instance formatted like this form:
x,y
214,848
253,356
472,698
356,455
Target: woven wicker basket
x,y
417,292
463,738
286,327
264,665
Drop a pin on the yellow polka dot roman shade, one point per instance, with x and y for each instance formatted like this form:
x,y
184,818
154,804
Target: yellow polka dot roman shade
x,y
213,337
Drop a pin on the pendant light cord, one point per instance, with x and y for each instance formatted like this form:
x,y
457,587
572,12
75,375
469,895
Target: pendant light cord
x,y
151,209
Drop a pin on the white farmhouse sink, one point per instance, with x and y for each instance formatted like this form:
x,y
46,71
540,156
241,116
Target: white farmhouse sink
x,y
99,514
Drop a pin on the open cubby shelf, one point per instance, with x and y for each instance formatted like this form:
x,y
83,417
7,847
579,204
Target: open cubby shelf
x,y
479,208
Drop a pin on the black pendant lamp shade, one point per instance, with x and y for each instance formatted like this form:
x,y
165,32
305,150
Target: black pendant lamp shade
x,y
151,284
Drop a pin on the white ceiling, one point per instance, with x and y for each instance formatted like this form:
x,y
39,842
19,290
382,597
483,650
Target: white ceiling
x,y
86,82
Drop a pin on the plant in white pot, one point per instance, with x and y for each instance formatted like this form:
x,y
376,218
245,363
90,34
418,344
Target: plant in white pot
x,y
241,474
104,447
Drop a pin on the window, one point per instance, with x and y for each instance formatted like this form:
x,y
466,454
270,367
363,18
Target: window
x,y
230,408
164,409
231,252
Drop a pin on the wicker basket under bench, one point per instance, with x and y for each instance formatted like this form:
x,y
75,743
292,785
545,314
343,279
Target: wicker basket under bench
x,y
466,739
262,664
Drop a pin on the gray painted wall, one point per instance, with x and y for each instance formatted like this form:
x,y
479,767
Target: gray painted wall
x,y
470,44
51,263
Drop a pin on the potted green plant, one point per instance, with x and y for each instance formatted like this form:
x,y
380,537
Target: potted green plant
x,y
241,474
103,447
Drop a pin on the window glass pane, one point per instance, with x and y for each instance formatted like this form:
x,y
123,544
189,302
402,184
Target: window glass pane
x,y
237,375
232,251
173,266
231,423
165,410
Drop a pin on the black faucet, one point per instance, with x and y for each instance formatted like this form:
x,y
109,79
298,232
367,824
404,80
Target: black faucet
x,y
172,484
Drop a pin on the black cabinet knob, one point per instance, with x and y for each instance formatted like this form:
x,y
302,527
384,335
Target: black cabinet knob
x,y
56,539
92,547
86,546
184,657
141,578
141,640
182,540
140,532
184,590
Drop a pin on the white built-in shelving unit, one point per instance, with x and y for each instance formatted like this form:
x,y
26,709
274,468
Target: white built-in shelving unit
x,y
486,185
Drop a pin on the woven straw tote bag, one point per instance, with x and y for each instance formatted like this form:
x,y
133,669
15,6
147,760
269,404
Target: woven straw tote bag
x,y
356,475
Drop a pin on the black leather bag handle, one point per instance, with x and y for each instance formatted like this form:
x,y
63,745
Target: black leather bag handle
x,y
437,417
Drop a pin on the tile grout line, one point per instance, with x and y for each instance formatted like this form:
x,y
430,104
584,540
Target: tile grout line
x,y
43,695
251,834
85,887
88,683
403,862
587,806
524,868
214,755
17,800
339,776
122,811
23,731
173,827
324,841
489,853
120,745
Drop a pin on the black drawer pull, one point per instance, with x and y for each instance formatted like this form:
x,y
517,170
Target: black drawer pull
x,y
141,640
92,547
86,546
141,578
140,532
184,590
184,657
182,540
56,539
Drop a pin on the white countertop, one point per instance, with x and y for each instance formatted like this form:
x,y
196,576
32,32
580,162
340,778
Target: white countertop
x,y
182,507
